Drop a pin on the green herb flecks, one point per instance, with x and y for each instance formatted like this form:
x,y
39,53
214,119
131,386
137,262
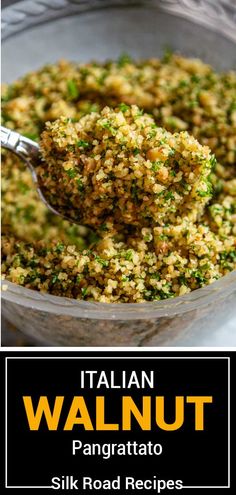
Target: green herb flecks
x,y
72,89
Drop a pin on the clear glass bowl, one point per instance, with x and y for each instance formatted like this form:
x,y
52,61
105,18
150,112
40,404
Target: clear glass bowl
x,y
35,33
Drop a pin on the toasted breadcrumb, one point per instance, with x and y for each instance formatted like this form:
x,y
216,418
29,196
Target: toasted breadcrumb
x,y
166,252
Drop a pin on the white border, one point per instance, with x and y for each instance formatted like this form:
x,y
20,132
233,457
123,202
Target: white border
x,y
114,357
118,349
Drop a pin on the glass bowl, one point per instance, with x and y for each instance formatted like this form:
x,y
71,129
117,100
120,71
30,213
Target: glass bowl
x,y
41,32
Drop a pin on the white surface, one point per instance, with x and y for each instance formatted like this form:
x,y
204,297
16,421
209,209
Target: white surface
x,y
223,336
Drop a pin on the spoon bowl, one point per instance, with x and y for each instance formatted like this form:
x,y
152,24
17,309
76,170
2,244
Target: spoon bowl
x,y
29,151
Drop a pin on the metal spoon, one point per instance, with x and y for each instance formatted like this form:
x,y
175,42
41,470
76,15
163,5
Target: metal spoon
x,y
28,151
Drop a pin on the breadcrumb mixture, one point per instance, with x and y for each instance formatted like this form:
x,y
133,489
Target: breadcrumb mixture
x,y
118,167
172,204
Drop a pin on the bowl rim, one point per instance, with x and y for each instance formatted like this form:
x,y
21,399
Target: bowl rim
x,y
219,15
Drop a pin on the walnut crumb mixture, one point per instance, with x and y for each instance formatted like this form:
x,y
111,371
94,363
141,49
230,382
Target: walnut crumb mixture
x,y
134,144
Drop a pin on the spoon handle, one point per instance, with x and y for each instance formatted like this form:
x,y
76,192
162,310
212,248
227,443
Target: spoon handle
x,y
23,147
